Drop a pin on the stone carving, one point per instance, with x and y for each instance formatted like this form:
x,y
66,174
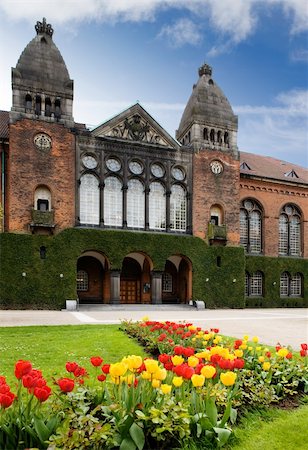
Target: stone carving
x,y
136,129
44,27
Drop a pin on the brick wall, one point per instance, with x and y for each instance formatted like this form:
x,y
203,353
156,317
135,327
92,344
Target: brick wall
x,y
210,189
29,167
272,197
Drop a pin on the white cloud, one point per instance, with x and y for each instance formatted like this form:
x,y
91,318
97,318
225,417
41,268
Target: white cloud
x,y
299,55
298,9
182,32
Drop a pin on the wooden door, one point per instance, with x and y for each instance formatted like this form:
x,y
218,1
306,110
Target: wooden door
x,y
130,291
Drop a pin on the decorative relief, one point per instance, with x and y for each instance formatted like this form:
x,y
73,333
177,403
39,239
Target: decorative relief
x,y
42,142
136,129
267,189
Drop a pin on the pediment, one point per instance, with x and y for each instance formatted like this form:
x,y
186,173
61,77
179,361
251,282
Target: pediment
x,y
136,124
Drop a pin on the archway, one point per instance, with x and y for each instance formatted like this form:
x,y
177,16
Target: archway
x,y
135,279
177,280
93,280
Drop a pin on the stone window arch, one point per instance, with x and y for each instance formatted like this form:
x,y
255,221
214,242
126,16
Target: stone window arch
x,y
47,107
157,206
290,231
28,103
42,198
113,202
219,137
57,108
38,105
212,135
89,199
135,203
291,286
205,134
226,138
251,226
178,208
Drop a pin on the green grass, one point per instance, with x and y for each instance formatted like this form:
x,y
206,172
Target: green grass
x,y
275,429
50,347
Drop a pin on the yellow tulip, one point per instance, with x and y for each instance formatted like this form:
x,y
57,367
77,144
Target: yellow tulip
x,y
160,374
250,348
117,369
266,366
166,388
217,339
283,352
243,346
197,380
192,327
129,379
259,349
156,383
193,361
238,353
145,318
208,371
177,360
246,337
261,359
151,365
145,375
228,378
177,381
255,339
133,362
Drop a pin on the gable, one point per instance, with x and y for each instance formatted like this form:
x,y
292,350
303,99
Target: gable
x,y
135,124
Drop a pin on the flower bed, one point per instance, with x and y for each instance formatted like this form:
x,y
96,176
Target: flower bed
x,y
191,392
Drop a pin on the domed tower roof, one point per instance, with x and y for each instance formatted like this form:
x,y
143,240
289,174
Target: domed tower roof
x,y
206,107
41,71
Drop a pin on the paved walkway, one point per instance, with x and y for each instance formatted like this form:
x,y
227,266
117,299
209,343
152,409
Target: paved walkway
x,y
286,326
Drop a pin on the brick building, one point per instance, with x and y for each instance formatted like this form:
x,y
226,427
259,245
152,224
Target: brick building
x,y
69,190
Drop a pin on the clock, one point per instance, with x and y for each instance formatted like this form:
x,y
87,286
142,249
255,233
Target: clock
x,y
89,162
178,173
216,167
157,170
42,141
136,167
113,164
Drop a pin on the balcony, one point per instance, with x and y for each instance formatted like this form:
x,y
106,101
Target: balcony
x,y
42,220
217,234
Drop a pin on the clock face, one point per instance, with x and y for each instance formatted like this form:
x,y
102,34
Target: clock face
x,y
157,170
178,173
216,167
113,164
89,162
136,167
42,141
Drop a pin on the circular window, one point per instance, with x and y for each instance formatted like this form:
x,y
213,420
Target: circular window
x,y
113,164
42,141
216,167
289,210
136,167
178,173
157,170
89,162
248,204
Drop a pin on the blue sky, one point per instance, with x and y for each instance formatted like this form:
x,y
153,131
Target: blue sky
x,y
122,51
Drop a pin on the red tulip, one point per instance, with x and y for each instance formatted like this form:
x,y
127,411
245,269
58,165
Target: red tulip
x,y
66,384
96,361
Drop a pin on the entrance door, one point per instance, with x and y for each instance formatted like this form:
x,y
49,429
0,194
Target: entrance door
x,y
130,291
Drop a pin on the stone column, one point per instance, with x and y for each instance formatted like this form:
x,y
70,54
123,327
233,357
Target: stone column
x,y
115,286
157,288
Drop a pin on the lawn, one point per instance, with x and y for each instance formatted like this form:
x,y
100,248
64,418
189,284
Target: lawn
x,y
50,347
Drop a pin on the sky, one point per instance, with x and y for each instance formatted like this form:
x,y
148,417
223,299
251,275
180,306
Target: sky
x,y
119,52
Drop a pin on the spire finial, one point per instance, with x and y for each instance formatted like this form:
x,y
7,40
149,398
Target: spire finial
x,y
205,69
43,28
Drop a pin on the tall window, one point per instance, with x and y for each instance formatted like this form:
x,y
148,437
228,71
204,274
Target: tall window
x,y
113,202
254,284
89,200
178,208
42,199
251,226
290,231
291,286
167,282
157,206
135,203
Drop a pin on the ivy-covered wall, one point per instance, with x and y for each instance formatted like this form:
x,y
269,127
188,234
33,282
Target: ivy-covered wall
x,y
218,272
272,268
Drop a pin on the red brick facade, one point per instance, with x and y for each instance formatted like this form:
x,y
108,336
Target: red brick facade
x,y
29,167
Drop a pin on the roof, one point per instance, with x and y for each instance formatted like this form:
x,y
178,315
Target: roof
x,y
268,167
4,124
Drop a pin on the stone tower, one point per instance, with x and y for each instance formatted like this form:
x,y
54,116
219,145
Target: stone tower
x,y
41,166
209,126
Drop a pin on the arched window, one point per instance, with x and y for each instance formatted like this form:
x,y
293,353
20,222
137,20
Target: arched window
x,y
58,108
113,202
28,103
251,226
42,199
167,282
254,284
47,107
205,134
178,208
38,105
216,215
89,200
226,138
291,286
212,135
290,231
82,280
157,206
219,138
135,203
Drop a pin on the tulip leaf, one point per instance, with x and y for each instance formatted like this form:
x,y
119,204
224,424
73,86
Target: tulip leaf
x,y
223,435
127,444
42,430
137,435
211,411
